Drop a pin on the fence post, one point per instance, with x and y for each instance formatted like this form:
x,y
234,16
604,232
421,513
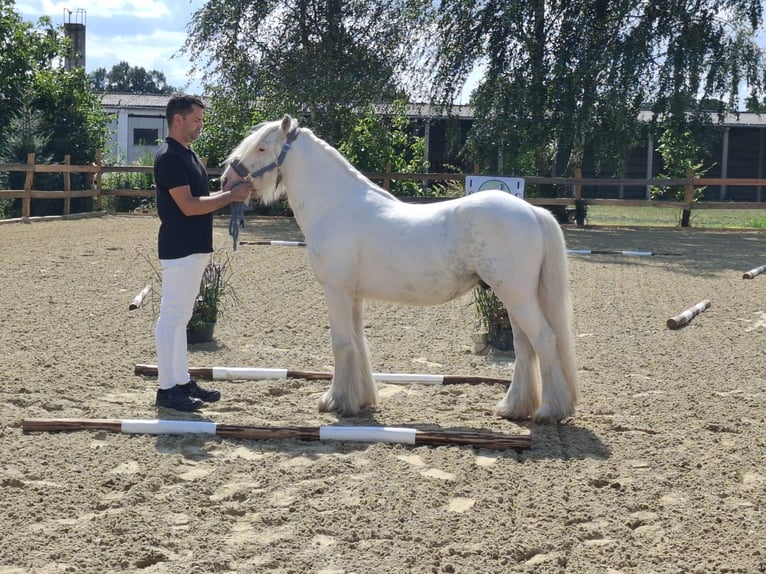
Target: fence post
x,y
581,209
688,198
26,202
387,178
578,187
99,173
67,185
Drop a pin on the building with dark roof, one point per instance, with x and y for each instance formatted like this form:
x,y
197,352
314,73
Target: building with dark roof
x,y
138,125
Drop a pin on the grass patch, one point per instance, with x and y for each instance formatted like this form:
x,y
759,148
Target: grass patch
x,y
671,217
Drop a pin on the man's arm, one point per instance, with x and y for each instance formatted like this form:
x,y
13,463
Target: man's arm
x,y
191,205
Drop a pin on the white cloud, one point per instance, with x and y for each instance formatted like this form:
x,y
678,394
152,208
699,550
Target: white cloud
x,y
114,9
143,33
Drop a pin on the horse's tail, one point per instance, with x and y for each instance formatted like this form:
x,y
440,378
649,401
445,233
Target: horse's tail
x,y
555,297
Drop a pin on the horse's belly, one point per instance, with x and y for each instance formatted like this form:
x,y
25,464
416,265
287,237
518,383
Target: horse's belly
x,y
422,289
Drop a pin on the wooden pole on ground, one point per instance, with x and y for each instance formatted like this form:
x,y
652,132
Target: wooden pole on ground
x,y
753,273
258,374
476,439
688,315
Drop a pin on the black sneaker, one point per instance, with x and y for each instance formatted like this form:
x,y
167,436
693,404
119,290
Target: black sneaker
x,y
193,390
177,400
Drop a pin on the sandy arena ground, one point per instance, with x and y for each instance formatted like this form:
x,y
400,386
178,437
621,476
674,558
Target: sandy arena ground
x,y
662,470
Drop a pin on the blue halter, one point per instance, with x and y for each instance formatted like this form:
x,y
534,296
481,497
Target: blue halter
x,y
238,207
242,172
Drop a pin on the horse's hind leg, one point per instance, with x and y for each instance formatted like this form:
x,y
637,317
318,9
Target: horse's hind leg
x,y
557,401
523,396
352,387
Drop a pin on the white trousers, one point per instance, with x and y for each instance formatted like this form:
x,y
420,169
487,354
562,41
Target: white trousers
x,y
180,287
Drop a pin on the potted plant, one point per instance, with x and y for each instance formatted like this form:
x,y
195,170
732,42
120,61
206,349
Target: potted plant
x,y
492,319
215,286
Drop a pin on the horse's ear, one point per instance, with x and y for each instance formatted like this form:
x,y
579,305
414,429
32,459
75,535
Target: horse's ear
x,y
287,123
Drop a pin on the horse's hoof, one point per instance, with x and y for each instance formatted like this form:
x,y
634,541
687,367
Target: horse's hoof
x,y
329,405
510,413
546,416
545,420
511,416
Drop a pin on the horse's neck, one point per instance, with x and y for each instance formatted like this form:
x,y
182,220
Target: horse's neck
x,y
321,181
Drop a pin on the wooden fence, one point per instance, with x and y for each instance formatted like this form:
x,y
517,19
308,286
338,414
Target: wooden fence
x,y
95,173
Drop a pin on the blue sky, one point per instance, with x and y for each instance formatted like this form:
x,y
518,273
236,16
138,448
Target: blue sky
x,y
143,33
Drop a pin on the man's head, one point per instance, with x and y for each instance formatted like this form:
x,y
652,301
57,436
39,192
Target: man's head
x,y
184,115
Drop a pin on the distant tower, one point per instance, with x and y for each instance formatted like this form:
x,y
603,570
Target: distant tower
x,y
74,29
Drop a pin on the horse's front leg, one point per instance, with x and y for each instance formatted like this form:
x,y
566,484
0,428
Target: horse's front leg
x,y
353,387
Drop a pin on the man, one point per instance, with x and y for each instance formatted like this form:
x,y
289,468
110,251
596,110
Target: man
x,y
185,241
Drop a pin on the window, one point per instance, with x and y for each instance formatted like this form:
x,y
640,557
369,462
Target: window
x,y
145,136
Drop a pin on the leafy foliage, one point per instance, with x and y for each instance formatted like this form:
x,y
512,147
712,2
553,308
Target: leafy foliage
x,y
563,75
68,118
684,144
316,59
24,49
26,134
130,180
124,78
73,114
373,142
227,120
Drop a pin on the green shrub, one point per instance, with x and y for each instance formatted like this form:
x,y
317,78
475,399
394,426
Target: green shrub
x,y
130,180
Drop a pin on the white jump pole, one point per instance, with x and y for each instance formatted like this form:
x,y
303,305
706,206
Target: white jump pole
x,y
569,251
138,300
394,435
275,242
259,374
615,252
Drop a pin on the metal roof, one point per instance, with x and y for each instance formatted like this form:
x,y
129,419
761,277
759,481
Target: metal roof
x,y
111,100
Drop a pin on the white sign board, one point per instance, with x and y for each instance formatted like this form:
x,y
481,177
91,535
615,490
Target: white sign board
x,y
514,185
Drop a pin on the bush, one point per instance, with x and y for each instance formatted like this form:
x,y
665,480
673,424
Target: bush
x,y
128,180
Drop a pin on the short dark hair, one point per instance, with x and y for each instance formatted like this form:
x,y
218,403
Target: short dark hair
x,y
181,104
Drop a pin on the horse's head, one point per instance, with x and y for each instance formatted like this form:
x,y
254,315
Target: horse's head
x,y
257,160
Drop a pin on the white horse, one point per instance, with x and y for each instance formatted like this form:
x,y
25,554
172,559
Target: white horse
x,y
364,243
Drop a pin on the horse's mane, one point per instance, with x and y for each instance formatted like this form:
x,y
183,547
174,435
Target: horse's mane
x,y
257,132
340,159
247,142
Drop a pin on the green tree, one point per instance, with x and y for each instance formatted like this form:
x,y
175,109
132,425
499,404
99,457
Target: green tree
x,y
72,113
684,143
564,75
318,59
127,79
45,105
24,48
26,134
372,142
227,121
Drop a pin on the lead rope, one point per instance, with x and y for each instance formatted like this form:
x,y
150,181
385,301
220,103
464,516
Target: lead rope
x,y
237,220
